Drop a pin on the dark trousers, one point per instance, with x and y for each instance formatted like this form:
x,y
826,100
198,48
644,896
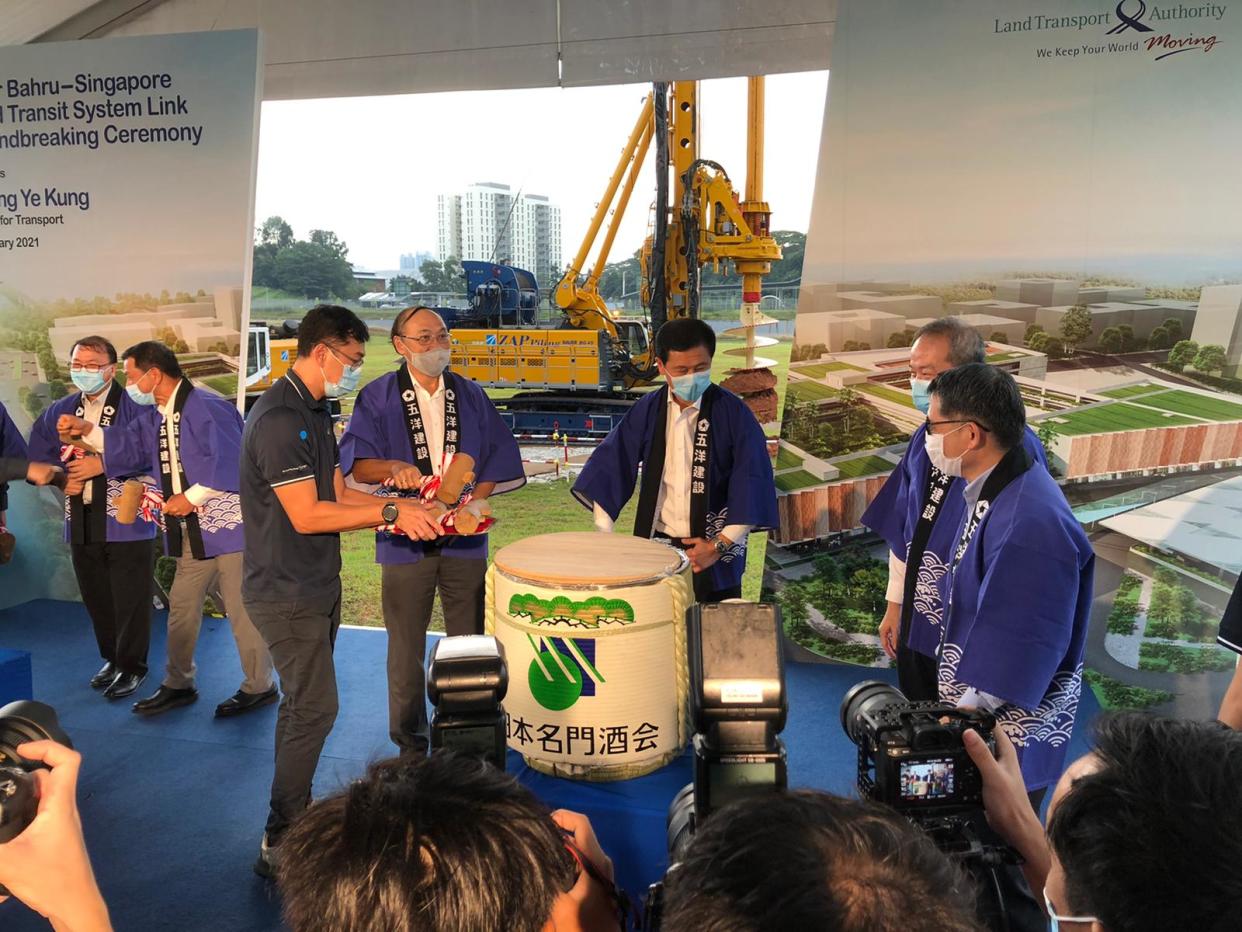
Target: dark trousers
x,y
917,674
116,581
301,636
704,593
408,593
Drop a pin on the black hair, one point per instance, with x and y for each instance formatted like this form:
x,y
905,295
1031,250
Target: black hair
x,y
404,315
810,860
330,323
442,844
150,353
1148,841
95,343
986,395
684,333
965,344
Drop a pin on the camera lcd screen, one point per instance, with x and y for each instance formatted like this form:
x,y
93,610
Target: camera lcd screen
x,y
736,781
927,779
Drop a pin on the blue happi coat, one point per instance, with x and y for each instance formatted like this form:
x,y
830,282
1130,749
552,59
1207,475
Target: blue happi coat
x,y
740,487
378,429
894,515
45,447
1018,604
209,451
11,445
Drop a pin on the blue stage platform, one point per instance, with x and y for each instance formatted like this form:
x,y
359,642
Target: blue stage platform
x,y
173,806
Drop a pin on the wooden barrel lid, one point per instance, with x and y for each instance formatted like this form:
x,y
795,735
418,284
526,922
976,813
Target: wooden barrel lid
x,y
588,558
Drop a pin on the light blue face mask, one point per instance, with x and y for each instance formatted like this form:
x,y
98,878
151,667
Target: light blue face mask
x,y
350,375
88,382
690,387
919,394
137,394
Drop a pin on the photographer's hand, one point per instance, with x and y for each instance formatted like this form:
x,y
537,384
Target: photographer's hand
x,y
1007,805
46,866
587,905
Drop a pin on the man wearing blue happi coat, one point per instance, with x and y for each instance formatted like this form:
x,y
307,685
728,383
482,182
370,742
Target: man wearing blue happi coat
x,y
918,512
1017,589
190,439
706,474
112,561
406,427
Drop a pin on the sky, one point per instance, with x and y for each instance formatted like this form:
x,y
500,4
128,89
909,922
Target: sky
x,y
369,168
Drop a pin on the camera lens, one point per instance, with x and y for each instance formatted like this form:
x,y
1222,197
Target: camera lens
x,y
26,720
868,696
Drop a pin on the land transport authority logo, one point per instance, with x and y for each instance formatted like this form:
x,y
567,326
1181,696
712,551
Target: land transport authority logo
x,y
1130,22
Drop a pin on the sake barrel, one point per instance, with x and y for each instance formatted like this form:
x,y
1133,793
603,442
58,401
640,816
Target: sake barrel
x,y
593,627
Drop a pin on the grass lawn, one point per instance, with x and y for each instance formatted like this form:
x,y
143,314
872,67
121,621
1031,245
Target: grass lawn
x,y
1129,391
819,370
811,391
792,481
537,508
1115,417
1006,357
889,394
1195,405
859,466
787,459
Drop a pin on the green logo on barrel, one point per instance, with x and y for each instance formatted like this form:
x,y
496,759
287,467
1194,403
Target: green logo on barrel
x,y
561,610
561,671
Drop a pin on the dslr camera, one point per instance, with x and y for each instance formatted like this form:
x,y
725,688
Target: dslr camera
x,y
466,680
911,758
20,722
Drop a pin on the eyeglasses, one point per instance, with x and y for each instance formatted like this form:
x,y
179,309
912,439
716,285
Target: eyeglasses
x,y
1056,919
352,363
929,424
426,339
91,367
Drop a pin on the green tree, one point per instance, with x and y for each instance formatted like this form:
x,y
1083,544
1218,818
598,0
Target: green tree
x,y
1159,339
1030,333
331,241
1038,341
1075,327
34,405
57,389
999,336
898,340
1047,439
853,346
1183,354
275,232
1110,340
447,276
1129,342
1210,358
1173,327
313,270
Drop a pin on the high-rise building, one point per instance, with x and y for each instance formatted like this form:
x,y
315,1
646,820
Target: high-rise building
x,y
489,222
413,262
1219,323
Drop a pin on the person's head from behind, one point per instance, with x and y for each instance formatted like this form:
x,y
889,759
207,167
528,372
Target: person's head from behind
x,y
92,364
939,346
1145,829
684,349
976,416
331,349
443,844
151,371
808,860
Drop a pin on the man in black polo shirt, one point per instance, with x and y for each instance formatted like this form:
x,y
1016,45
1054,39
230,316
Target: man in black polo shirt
x,y
294,506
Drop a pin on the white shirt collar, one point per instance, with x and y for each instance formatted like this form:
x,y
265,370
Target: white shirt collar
x,y
696,405
418,386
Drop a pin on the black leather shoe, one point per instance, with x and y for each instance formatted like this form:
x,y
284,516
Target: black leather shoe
x,y
165,698
124,685
107,673
241,702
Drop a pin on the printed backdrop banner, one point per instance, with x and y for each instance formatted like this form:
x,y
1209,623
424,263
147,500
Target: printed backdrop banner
x,y
1064,177
127,173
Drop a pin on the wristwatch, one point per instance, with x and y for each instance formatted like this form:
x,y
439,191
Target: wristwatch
x,y
390,513
721,545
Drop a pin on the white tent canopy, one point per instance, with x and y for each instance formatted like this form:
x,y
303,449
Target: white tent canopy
x,y
326,48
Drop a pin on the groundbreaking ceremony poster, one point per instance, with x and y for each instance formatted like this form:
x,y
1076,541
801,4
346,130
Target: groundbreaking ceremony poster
x,y
126,198
1065,178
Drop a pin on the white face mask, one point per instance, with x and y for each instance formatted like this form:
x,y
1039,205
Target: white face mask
x,y
950,466
432,362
